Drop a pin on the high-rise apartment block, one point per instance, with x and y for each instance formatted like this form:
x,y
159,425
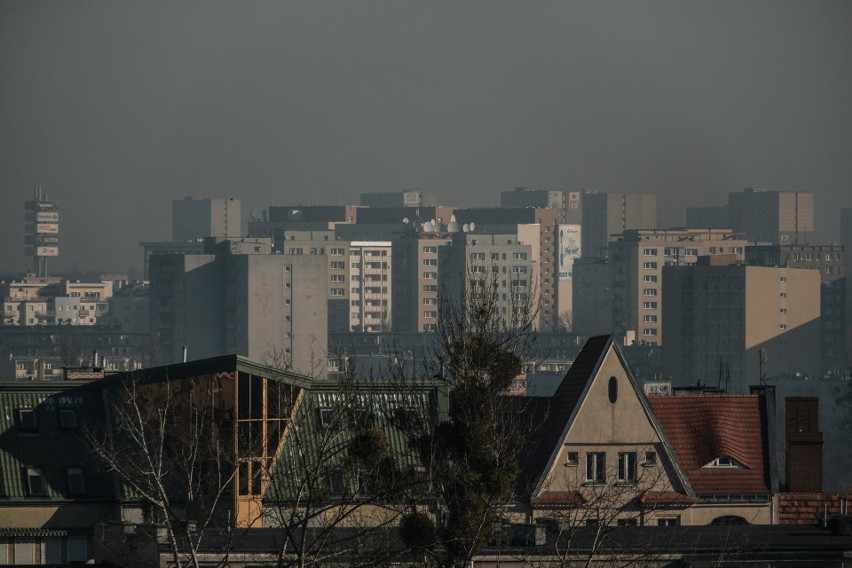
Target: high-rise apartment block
x,y
636,261
538,228
371,286
267,307
708,217
772,217
194,218
830,262
605,214
481,260
735,324
592,297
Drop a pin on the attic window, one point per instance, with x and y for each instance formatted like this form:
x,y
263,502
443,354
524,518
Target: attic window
x,y
328,417
67,419
724,462
613,389
35,481
572,459
27,420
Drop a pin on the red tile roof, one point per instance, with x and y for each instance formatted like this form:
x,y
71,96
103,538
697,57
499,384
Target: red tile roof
x,y
809,508
702,428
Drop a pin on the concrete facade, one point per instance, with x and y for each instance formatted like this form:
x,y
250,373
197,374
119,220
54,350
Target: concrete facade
x,y
736,323
194,218
775,217
267,307
636,261
605,214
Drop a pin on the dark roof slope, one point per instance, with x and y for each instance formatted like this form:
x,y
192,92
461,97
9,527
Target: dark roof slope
x,y
702,428
561,407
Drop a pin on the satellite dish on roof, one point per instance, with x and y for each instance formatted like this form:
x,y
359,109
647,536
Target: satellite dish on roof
x,y
428,227
452,218
453,227
472,226
466,228
405,220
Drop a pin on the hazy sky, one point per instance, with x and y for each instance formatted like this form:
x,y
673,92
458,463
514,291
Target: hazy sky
x,y
116,108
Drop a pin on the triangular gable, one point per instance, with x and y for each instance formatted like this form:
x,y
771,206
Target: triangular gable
x,y
599,360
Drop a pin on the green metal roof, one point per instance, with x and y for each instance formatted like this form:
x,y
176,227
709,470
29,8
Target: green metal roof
x,y
48,446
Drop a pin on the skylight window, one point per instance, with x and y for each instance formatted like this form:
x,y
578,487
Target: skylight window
x,y
724,462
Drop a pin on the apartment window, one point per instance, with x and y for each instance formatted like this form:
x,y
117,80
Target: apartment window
x,y
783,326
649,305
519,255
35,481
27,420
668,521
76,481
649,265
783,310
430,275
783,294
430,288
572,459
337,252
477,269
430,262
649,252
519,269
650,458
627,467
477,256
828,256
596,467
430,314
430,250
649,331
783,279
338,292
649,278
430,301
336,278
338,265
649,319
649,292
67,418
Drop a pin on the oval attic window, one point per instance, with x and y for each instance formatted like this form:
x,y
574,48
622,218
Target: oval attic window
x,y
613,389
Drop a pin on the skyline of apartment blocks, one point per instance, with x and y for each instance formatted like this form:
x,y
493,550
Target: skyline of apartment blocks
x,y
606,214
636,261
736,321
772,217
830,262
196,218
267,307
474,259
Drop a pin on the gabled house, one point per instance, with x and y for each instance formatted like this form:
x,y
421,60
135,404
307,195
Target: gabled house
x,y
607,454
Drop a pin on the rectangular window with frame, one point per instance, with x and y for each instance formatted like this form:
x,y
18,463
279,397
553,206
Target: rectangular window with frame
x,y
596,467
67,419
27,420
76,481
572,459
627,467
650,458
35,481
668,521
337,482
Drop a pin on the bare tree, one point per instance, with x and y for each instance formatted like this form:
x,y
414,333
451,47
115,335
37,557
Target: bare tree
x,y
171,456
472,454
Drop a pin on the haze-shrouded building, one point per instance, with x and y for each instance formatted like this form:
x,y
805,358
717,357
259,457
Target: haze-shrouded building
x,y
636,261
406,198
568,203
830,262
735,323
194,218
772,217
708,217
480,259
605,214
268,307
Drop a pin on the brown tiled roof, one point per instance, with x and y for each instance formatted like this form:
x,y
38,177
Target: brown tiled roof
x,y
558,499
702,428
666,498
560,408
809,508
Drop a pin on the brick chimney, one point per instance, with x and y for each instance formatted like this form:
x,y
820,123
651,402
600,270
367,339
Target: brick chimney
x,y
804,445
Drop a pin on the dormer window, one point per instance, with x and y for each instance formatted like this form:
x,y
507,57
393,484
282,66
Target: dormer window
x,y
724,462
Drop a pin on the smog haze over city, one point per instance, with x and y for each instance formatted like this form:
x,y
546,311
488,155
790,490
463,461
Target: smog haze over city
x,y
117,108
